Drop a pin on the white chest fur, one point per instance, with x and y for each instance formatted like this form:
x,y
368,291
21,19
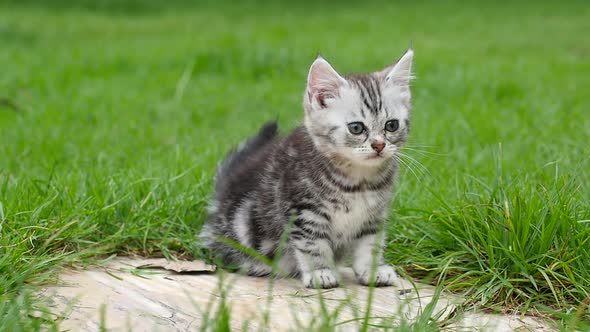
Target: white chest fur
x,y
349,218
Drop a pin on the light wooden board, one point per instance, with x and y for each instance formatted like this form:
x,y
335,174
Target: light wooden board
x,y
160,300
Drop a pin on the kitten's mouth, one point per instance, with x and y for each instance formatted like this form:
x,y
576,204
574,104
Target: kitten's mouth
x,y
375,156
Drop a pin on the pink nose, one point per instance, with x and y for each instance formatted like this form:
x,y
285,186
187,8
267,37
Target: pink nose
x,y
378,147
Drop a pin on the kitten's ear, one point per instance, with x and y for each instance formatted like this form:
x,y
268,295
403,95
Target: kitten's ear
x,y
323,83
400,73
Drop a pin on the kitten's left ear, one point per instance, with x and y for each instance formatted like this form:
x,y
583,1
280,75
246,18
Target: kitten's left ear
x,y
400,73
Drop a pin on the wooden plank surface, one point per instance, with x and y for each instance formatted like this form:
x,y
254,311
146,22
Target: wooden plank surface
x,y
160,300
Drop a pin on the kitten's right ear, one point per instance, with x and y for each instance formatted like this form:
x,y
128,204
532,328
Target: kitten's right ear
x,y
323,83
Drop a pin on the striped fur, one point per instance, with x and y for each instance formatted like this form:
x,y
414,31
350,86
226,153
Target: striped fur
x,y
323,189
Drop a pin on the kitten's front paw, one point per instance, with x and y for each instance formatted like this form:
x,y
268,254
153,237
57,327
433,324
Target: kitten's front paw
x,y
384,276
322,278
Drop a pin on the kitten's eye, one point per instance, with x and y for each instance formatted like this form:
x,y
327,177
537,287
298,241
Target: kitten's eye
x,y
392,125
356,128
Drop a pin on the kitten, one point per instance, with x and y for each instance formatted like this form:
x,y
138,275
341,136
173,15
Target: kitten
x,y
329,182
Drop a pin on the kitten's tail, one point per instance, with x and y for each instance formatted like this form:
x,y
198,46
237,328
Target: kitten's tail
x,y
265,135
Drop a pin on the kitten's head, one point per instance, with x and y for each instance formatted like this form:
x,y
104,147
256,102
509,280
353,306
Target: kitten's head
x,y
361,118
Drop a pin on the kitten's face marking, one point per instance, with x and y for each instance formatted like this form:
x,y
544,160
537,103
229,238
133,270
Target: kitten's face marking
x,y
363,118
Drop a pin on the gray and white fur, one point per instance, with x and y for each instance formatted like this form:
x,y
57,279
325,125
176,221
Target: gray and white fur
x,y
328,184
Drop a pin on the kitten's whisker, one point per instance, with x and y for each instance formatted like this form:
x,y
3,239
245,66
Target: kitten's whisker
x,y
410,167
421,146
430,156
419,178
405,155
422,152
409,157
418,167
414,162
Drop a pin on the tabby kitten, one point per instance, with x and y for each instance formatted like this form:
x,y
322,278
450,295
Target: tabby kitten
x,y
328,184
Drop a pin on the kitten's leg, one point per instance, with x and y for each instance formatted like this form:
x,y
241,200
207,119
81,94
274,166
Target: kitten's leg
x,y
315,257
315,262
368,261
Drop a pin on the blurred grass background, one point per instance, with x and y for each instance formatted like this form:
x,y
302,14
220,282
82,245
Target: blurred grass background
x,y
113,115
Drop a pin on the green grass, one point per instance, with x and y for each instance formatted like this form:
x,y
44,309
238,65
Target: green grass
x,y
113,116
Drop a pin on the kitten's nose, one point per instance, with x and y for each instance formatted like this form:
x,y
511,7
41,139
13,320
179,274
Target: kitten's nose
x,y
378,146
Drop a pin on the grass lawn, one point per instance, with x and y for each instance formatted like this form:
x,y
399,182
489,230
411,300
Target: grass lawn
x,y
112,119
